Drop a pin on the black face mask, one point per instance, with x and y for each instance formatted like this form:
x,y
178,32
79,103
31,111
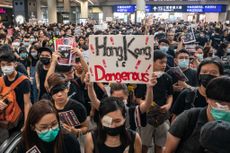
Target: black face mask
x,y
204,79
114,131
45,60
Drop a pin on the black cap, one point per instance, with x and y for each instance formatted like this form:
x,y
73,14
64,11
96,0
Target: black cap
x,y
47,49
215,136
21,49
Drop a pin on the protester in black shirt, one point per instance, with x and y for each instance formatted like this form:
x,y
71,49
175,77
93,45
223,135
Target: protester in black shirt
x,y
22,91
216,39
72,113
111,135
207,70
43,132
163,98
223,50
42,68
184,133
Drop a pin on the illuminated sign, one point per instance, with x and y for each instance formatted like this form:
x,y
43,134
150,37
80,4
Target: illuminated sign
x,y
129,8
173,8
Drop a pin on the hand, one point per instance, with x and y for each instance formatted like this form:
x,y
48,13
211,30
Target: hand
x,y
76,51
55,56
165,107
2,105
183,84
153,80
71,129
87,79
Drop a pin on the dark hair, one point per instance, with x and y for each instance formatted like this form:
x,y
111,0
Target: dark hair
x,y
8,57
181,51
5,49
111,104
218,89
37,111
215,61
56,79
164,41
117,87
159,55
199,47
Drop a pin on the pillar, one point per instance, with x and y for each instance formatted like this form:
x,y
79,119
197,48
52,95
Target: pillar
x,y
140,10
84,9
52,11
39,12
107,12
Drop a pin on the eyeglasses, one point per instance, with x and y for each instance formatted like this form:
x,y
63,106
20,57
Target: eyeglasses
x,y
47,128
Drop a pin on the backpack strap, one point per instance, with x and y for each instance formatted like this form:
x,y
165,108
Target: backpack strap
x,y
15,84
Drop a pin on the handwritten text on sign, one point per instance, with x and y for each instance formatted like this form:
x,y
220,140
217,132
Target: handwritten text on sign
x,y
120,58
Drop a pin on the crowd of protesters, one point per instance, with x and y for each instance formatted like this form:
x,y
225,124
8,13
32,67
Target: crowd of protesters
x,y
168,115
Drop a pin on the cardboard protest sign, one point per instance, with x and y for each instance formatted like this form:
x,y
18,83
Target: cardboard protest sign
x,y
189,36
101,27
69,118
64,46
121,58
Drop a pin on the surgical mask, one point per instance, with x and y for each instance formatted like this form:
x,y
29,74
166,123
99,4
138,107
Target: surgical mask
x,y
114,131
32,40
220,114
49,135
8,70
26,44
23,55
200,57
34,54
164,49
204,79
45,60
183,63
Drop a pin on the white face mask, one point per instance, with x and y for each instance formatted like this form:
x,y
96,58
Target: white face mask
x,y
8,70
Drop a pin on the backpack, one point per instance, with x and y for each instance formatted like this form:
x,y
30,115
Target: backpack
x,y
11,115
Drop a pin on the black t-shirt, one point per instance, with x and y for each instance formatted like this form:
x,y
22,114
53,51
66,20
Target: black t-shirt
x,y
77,108
161,90
135,117
69,145
216,40
102,148
182,104
187,127
42,77
23,88
26,62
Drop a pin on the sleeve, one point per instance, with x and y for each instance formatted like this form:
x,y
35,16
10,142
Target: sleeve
x,y
180,125
178,106
140,91
26,86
